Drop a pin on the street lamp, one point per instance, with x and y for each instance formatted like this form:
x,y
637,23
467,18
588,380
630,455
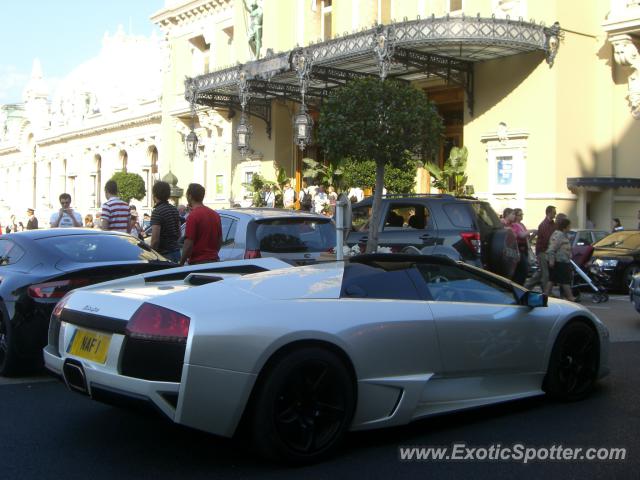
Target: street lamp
x,y
243,134
191,142
303,123
192,145
302,128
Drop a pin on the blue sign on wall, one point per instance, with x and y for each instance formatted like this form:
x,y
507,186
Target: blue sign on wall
x,y
505,171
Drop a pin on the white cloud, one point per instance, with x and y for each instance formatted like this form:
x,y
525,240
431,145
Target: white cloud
x,y
12,82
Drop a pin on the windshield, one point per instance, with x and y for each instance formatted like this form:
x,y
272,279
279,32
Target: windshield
x,y
626,240
98,248
296,235
486,216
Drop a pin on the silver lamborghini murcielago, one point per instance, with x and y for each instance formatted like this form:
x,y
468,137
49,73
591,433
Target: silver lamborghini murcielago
x,y
294,357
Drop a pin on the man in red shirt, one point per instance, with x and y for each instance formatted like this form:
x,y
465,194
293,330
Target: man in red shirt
x,y
203,233
545,229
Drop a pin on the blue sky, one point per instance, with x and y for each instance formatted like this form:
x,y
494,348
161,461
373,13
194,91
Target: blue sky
x,y
62,34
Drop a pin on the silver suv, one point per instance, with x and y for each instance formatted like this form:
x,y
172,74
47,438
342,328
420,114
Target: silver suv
x,y
291,235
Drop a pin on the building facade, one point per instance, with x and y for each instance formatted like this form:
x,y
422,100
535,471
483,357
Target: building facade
x,y
104,117
548,111
552,124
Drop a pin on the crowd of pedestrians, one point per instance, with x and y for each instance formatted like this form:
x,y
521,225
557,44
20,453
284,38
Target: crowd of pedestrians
x,y
202,232
317,199
552,250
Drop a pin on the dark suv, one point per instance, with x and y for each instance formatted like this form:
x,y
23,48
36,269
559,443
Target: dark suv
x,y
461,228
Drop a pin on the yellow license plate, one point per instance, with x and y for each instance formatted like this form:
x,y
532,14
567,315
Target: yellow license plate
x,y
90,345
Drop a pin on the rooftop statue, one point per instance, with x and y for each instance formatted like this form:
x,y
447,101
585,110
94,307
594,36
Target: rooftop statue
x,y
254,31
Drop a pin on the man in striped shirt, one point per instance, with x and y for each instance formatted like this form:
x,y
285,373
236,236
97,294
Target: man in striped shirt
x,y
115,212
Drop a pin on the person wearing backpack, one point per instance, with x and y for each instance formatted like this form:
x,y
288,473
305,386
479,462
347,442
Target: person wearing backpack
x,y
306,199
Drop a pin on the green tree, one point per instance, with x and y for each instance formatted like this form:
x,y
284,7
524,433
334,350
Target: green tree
x,y
255,187
452,177
281,180
363,174
388,122
130,185
325,174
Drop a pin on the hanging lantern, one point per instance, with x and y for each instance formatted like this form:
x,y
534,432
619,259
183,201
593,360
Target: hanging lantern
x,y
192,144
243,134
302,128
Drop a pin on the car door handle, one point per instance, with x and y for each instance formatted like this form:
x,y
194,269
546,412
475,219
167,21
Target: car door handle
x,y
364,239
425,236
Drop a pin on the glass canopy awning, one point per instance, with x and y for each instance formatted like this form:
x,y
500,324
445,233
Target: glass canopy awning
x,y
411,50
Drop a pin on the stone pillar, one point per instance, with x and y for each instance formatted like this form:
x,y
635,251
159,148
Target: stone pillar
x,y
581,207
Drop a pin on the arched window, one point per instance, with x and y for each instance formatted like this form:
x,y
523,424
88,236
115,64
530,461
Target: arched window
x,y
63,177
4,195
34,171
47,201
97,180
150,173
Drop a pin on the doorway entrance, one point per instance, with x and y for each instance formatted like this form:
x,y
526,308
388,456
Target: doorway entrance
x,y
450,104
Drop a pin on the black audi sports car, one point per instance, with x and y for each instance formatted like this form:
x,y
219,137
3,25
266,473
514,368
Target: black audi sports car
x,y
38,267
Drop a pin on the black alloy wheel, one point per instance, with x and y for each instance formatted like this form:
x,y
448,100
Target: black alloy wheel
x,y
7,349
304,407
573,367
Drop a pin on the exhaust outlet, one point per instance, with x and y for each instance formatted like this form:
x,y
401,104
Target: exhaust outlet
x,y
74,377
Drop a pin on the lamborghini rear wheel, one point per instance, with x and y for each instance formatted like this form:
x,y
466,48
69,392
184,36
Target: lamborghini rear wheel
x,y
303,407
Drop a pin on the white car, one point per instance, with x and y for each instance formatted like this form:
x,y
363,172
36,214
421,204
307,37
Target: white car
x,y
297,356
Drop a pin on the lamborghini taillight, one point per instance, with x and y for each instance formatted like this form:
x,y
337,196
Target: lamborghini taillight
x,y
152,322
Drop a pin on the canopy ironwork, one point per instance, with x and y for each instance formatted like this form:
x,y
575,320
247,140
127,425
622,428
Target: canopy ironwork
x,y
445,48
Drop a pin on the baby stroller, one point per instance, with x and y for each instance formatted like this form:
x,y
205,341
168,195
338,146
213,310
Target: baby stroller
x,y
592,281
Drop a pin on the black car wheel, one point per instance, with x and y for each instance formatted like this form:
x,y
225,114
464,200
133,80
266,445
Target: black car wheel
x,y
573,367
628,274
303,407
8,360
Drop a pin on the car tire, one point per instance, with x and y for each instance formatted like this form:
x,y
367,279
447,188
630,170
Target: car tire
x,y
8,354
503,252
573,366
628,274
303,407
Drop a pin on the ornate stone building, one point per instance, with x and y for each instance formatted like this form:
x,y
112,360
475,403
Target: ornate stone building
x,y
105,116
198,36
548,108
548,111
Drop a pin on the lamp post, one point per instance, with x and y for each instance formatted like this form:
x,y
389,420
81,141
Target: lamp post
x,y
303,123
302,128
243,134
384,48
192,144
